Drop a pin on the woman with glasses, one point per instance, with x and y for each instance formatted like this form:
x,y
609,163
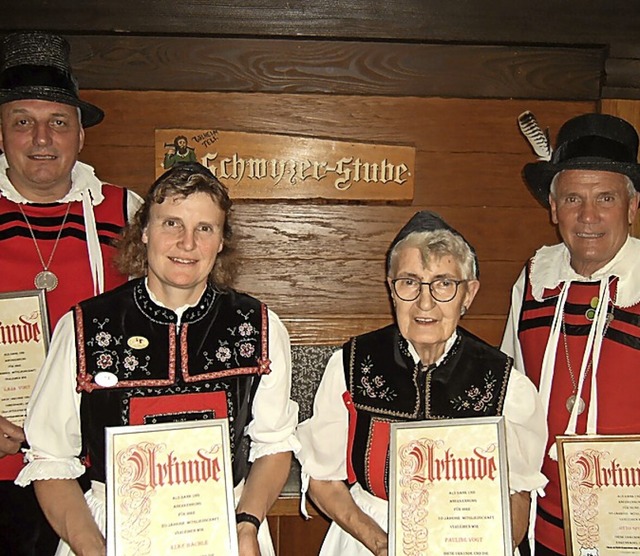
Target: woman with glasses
x,y
424,366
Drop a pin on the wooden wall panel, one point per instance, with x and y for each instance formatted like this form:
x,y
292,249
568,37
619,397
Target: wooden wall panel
x,y
431,124
622,71
443,178
321,265
335,67
365,232
630,111
122,145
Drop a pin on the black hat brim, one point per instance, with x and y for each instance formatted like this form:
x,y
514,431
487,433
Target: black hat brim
x,y
90,114
539,175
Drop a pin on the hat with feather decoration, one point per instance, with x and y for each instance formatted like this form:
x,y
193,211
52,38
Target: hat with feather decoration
x,y
587,142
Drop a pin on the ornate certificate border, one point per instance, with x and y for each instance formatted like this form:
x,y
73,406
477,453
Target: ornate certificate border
x,y
170,489
448,488
24,342
600,485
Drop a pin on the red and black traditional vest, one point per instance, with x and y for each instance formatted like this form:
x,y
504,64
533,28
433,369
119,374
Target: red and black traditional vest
x,y
208,367
19,258
19,261
618,377
385,385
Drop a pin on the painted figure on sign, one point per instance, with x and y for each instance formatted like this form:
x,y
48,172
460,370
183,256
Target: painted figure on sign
x,y
179,151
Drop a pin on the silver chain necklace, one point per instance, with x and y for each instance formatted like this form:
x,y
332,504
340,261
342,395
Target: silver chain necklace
x,y
45,279
573,398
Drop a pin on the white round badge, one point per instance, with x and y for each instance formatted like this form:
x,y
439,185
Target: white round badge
x,y
106,379
137,342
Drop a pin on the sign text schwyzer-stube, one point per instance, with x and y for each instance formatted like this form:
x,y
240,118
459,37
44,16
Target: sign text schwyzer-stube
x,y
267,166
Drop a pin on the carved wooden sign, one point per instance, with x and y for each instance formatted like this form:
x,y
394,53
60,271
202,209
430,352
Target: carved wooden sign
x,y
268,166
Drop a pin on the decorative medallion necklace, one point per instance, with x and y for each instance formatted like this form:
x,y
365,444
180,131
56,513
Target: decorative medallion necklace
x,y
45,279
574,398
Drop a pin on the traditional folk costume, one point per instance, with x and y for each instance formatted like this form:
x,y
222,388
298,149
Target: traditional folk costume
x,y
377,379
81,228
83,257
578,339
226,356
76,240
64,245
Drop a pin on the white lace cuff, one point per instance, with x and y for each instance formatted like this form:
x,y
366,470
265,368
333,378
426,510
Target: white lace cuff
x,y
43,469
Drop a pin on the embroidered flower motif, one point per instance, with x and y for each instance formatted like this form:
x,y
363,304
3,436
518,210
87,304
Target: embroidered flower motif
x,y
374,386
103,339
104,361
246,350
130,362
223,354
246,329
476,398
243,343
473,392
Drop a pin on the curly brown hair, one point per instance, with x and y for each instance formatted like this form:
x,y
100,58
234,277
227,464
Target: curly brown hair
x,y
182,180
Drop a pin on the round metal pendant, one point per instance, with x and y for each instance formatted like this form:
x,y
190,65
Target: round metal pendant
x,y
46,280
571,401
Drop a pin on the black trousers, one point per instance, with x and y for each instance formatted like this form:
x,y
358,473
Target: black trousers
x,y
24,531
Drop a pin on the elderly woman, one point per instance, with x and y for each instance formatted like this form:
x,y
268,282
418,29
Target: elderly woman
x,y
412,370
222,351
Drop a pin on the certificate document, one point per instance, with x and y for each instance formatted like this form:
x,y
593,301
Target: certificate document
x,y
600,484
448,488
170,490
24,341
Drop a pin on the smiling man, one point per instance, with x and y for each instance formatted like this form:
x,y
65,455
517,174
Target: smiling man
x,y
575,313
58,222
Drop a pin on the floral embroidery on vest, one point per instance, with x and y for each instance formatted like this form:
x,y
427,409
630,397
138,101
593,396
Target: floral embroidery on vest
x,y
373,386
102,348
476,398
241,348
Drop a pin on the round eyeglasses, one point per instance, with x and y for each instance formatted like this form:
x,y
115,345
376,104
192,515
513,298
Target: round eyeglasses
x,y
441,289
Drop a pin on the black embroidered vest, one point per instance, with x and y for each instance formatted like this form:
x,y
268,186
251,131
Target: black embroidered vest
x,y
385,386
136,366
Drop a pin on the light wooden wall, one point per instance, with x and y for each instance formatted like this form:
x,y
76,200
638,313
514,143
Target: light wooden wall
x,y
320,266
630,111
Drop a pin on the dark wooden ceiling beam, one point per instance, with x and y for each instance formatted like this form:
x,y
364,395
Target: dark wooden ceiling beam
x,y
622,71
569,22
335,67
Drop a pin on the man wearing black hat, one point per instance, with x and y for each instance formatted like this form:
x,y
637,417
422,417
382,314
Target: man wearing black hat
x,y
58,224
574,324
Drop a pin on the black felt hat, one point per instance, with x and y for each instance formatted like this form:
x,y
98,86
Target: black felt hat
x,y
427,221
587,142
36,66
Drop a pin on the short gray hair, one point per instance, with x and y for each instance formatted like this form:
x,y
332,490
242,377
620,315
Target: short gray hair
x,y
437,244
631,189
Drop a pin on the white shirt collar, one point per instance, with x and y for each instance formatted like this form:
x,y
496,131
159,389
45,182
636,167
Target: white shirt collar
x,y
551,266
447,346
